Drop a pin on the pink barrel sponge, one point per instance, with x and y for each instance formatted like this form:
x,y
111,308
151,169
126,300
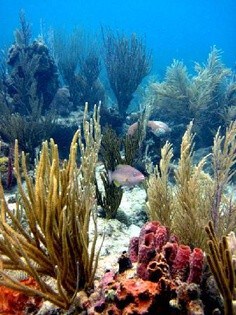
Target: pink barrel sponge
x,y
196,261
181,263
133,249
155,241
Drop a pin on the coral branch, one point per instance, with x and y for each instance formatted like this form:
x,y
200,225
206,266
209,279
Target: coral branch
x,y
58,207
221,265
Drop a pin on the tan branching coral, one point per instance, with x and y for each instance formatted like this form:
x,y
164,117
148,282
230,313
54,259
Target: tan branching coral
x,y
127,63
221,264
196,93
224,161
208,96
174,92
192,194
160,199
58,206
79,65
194,197
205,83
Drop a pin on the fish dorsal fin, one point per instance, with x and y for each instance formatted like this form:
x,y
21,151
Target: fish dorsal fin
x,y
119,166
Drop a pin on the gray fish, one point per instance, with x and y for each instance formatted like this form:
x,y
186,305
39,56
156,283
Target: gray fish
x,y
157,127
125,175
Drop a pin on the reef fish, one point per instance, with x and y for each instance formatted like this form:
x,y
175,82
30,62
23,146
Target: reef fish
x,y
157,127
125,175
132,129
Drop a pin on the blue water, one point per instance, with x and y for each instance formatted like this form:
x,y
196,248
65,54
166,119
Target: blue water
x,y
184,30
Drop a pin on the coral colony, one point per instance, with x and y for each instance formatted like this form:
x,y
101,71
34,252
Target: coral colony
x,y
72,162
166,279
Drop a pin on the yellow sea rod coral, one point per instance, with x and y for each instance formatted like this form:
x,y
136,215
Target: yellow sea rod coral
x,y
58,206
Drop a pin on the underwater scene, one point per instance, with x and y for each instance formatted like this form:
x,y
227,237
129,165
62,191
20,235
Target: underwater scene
x,y
118,157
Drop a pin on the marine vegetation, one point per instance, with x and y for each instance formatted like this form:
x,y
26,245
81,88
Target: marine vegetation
x,y
208,97
222,264
186,195
127,63
29,130
6,167
29,82
110,196
47,235
32,72
79,65
147,136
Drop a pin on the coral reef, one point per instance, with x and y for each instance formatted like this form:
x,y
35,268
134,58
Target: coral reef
x,y
62,102
47,233
183,194
109,198
14,302
159,253
208,97
31,67
127,63
29,84
80,66
166,280
223,269
6,167
29,130
52,232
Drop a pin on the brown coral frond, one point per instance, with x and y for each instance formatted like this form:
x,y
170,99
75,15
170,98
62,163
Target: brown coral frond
x,y
224,161
160,199
195,197
192,191
220,261
58,207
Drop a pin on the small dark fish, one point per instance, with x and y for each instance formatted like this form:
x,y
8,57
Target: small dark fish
x,y
125,175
